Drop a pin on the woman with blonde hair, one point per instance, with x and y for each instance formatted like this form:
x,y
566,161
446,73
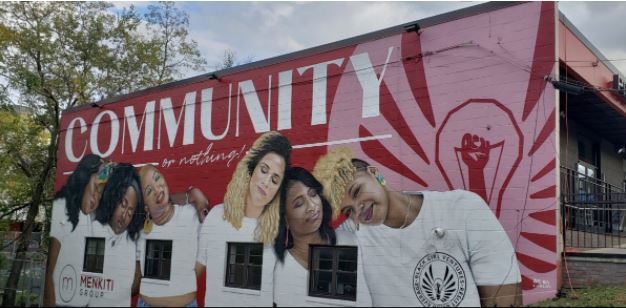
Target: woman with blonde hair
x,y
240,232
422,248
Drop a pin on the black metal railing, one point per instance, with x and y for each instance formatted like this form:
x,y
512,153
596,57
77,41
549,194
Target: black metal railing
x,y
594,212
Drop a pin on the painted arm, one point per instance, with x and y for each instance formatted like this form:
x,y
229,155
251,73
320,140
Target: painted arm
x,y
475,154
137,280
195,197
199,269
508,295
49,299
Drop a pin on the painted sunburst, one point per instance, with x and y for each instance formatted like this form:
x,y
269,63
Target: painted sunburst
x,y
464,105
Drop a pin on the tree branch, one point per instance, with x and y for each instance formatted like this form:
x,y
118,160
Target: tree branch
x,y
12,211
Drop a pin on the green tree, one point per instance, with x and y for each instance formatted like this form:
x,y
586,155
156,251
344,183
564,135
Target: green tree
x,y
169,25
230,59
58,55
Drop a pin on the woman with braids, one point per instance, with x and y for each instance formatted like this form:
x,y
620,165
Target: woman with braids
x,y
240,233
305,221
121,214
168,245
72,217
422,248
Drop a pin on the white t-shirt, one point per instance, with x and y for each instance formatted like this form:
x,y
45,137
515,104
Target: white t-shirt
x,y
291,282
113,286
69,266
454,245
182,232
76,287
215,235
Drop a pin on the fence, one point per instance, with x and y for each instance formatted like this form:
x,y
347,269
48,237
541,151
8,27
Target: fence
x,y
593,212
29,292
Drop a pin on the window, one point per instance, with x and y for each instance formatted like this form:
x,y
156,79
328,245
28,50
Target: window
x,y
158,259
244,265
333,271
94,255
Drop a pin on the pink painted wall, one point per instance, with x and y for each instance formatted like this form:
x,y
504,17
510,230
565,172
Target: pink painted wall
x,y
435,95
479,77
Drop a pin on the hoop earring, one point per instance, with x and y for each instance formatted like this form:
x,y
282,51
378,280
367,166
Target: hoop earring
x,y
286,237
147,224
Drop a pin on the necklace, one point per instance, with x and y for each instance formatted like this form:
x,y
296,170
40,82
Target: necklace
x,y
408,211
114,238
166,215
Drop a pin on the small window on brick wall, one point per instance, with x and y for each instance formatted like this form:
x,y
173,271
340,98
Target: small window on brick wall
x,y
94,255
333,272
244,265
158,261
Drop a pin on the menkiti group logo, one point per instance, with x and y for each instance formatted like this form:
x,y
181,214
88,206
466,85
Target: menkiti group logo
x,y
90,285
68,280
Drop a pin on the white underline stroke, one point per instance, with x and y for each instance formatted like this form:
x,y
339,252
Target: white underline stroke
x,y
344,141
135,165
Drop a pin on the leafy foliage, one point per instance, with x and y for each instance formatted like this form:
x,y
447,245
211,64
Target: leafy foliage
x,y
58,55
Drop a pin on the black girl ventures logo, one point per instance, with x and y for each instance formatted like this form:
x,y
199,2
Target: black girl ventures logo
x,y
439,281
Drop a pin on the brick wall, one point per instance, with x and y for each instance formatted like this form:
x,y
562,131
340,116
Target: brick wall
x,y
586,270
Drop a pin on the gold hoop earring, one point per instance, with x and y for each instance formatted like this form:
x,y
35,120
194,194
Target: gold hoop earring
x,y
147,224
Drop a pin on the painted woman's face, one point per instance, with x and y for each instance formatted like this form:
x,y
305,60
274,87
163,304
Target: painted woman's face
x,y
92,195
266,179
365,201
123,214
156,194
303,206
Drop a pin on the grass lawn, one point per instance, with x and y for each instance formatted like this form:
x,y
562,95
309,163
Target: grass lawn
x,y
592,297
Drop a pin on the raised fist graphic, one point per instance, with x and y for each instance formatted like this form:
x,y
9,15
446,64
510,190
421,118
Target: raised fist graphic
x,y
475,151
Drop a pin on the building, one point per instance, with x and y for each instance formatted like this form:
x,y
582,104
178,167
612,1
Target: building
x,y
480,99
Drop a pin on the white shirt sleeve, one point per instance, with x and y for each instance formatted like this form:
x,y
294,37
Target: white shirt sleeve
x,y
59,220
491,255
364,297
348,226
140,250
204,235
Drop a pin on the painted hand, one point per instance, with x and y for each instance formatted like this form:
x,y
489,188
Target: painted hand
x,y
200,201
475,151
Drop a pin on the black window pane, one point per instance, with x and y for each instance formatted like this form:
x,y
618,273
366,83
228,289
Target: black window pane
x,y
346,284
254,277
165,271
322,282
347,254
347,266
326,253
256,260
240,259
333,272
93,258
244,268
158,259
256,250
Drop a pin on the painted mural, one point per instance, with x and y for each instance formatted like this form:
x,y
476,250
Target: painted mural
x,y
416,169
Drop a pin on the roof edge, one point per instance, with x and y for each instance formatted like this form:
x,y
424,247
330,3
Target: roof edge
x,y
587,43
378,34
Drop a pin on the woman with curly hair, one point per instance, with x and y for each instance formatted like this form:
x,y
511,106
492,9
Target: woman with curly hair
x,y
72,211
120,216
305,221
250,215
422,248
167,247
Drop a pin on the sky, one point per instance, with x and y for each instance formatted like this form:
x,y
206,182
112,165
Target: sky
x,y
261,30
